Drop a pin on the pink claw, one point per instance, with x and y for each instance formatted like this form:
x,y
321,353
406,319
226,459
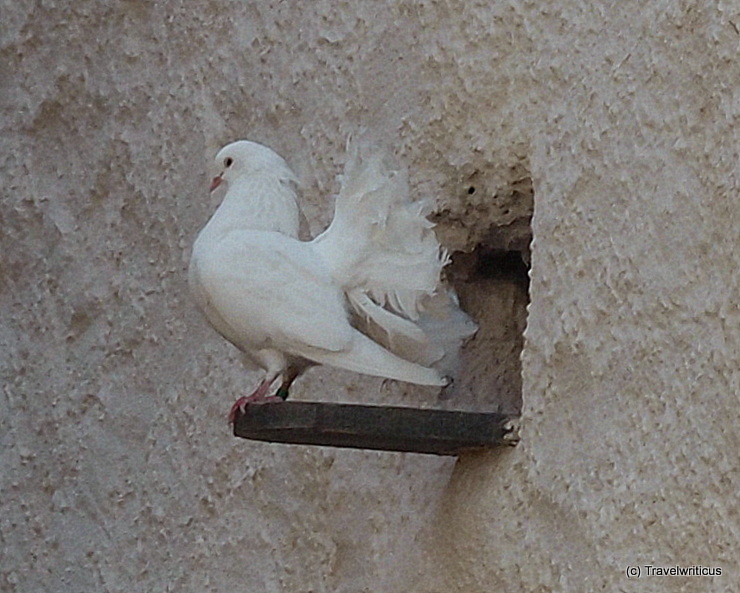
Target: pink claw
x,y
258,397
239,406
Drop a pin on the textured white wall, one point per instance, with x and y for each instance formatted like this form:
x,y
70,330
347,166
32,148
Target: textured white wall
x,y
118,472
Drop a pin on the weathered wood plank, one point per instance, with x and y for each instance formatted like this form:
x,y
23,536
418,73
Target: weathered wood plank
x,y
384,428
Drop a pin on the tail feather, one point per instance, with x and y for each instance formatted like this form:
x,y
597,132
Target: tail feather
x,y
370,358
434,339
379,240
382,250
448,327
391,323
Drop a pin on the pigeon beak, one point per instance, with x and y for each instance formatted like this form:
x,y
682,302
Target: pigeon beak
x,y
216,181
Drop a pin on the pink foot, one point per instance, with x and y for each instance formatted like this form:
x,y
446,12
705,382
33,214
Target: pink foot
x,y
258,397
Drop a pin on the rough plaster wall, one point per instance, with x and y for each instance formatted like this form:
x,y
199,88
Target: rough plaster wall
x,y
117,470
630,447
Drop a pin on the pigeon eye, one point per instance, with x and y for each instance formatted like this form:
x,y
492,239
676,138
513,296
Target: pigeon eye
x,y
228,161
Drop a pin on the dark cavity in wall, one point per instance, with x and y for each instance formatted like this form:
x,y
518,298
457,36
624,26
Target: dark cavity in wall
x,y
491,277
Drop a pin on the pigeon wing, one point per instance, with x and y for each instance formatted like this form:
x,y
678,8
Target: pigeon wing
x,y
270,290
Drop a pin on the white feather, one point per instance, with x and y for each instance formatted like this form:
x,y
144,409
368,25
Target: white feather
x,y
280,299
380,241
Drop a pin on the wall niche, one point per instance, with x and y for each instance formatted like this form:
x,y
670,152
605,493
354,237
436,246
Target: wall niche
x,y
487,226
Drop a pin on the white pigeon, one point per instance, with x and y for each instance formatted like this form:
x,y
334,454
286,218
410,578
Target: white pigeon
x,y
288,304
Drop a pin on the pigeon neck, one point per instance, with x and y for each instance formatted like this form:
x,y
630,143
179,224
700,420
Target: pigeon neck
x,y
260,202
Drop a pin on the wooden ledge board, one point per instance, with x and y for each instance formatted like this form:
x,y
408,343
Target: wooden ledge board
x,y
384,428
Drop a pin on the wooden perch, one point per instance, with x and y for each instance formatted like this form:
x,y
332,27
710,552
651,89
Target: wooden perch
x,y
413,430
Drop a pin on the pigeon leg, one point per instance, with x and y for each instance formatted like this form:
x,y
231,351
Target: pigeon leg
x,y
258,397
290,376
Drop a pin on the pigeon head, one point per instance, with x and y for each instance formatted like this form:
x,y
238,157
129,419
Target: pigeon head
x,y
244,158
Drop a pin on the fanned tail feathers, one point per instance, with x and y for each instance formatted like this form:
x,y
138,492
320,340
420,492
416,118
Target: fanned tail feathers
x,y
381,248
379,240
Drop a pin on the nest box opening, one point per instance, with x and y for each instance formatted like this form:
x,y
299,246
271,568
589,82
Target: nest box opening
x,y
490,228
493,287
